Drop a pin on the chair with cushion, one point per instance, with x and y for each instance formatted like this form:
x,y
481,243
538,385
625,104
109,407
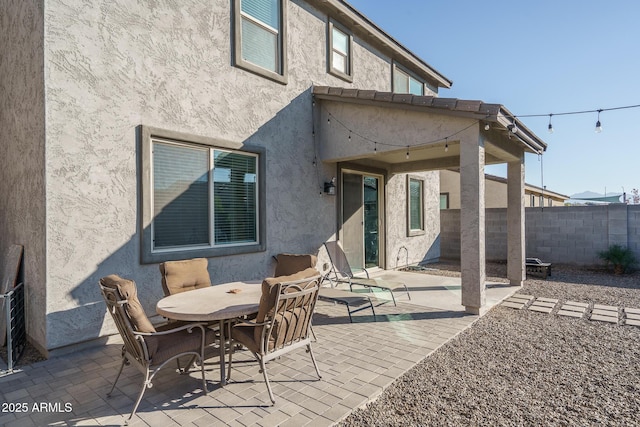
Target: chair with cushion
x,y
145,347
284,319
343,272
185,275
288,264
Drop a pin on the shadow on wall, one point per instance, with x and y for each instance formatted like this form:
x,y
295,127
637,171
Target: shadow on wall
x,y
299,218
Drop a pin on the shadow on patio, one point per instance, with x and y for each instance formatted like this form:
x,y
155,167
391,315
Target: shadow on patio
x,y
357,361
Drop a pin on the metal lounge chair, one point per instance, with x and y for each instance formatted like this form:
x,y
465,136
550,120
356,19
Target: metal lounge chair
x,y
283,323
146,348
288,264
342,272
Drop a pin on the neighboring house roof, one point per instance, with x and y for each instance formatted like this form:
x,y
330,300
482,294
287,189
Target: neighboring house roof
x,y
371,33
489,113
530,188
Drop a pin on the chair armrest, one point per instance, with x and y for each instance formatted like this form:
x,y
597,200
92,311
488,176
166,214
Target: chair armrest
x,y
361,269
240,322
188,327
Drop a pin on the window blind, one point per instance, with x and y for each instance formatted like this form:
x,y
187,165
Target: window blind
x,y
266,11
415,204
259,46
180,196
235,202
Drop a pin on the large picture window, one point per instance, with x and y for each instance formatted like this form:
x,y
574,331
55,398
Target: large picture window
x,y
415,206
199,199
260,34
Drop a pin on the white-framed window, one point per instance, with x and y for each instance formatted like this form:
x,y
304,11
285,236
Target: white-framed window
x,y
415,206
405,82
200,197
260,36
340,45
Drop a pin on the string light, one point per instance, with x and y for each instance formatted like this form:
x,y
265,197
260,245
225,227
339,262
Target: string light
x,y
349,135
514,126
446,145
550,125
375,142
486,126
598,124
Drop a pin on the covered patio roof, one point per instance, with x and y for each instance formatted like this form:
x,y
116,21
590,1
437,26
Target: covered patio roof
x,y
384,126
402,133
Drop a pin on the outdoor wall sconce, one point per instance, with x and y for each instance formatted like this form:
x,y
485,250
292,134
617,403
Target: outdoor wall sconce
x,y
330,187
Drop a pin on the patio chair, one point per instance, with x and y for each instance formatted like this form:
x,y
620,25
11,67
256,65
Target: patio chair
x,y
288,264
283,323
342,272
146,348
185,275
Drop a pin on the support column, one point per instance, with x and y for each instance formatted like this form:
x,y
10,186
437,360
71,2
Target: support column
x,y
472,222
516,248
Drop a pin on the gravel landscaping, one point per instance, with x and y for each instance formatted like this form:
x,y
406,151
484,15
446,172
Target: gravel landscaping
x,y
519,367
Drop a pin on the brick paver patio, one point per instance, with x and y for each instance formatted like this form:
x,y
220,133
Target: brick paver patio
x,y
357,361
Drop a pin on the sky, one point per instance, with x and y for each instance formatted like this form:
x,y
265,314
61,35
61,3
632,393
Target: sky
x,y
539,57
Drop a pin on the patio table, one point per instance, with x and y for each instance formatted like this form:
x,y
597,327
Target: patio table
x,y
216,302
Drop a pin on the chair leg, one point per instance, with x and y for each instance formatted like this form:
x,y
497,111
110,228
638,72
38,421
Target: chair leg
x,y
204,381
124,361
146,384
313,359
231,348
393,297
263,367
408,294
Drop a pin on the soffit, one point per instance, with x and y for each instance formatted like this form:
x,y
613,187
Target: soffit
x,y
371,33
499,119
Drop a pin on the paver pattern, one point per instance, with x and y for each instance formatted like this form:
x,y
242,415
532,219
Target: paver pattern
x,y
357,361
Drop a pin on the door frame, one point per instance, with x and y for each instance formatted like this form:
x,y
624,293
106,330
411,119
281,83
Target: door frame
x,y
381,174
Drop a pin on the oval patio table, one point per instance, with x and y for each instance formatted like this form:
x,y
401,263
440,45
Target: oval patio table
x,y
216,302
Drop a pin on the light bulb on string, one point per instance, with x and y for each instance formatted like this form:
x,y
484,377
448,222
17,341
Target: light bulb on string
x,y
349,135
375,148
486,126
598,124
514,127
550,125
407,156
446,145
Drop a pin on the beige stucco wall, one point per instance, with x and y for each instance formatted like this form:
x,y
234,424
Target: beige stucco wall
x,y
495,196
22,150
402,249
101,69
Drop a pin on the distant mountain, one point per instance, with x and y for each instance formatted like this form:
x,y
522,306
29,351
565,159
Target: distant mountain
x,y
592,194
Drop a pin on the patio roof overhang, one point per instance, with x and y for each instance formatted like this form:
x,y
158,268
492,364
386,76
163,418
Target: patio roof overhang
x,y
384,126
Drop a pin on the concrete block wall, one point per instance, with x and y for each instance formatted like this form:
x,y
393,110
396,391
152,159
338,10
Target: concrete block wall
x,y
563,234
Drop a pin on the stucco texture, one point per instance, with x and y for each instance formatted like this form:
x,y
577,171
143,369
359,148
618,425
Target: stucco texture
x,y
112,65
22,149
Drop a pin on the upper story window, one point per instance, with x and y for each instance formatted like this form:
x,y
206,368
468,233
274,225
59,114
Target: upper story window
x,y
260,35
404,82
199,199
340,52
